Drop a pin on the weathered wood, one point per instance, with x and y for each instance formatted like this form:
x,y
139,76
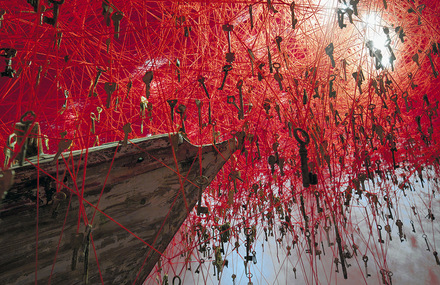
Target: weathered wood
x,y
143,193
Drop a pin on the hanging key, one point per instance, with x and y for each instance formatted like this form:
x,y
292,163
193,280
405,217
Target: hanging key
x,y
76,241
272,161
379,227
240,96
434,72
329,51
294,271
62,146
269,58
147,78
201,81
172,104
53,21
365,259
178,69
303,154
336,261
277,76
399,224
9,53
93,118
388,230
436,257
2,13
252,26
199,105
109,88
394,99
327,229
317,201
405,97
200,264
116,18
98,75
230,56
278,41
226,69
127,129
412,225
426,241
56,200
294,21
233,278
181,111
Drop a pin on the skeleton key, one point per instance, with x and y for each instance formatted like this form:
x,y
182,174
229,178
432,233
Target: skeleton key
x,y
278,41
116,18
303,154
294,21
199,108
394,99
388,230
329,51
93,118
294,271
57,198
53,21
426,240
230,56
147,78
412,224
109,88
326,229
317,202
226,69
379,227
269,58
240,92
336,261
405,97
181,111
365,259
2,13
277,76
272,161
252,26
200,264
98,75
436,257
127,129
435,72
399,225
201,81
76,240
233,278
389,273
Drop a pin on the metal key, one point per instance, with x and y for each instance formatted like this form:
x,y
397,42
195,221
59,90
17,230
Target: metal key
x,y
365,259
147,78
327,229
116,18
379,227
2,13
329,51
226,69
388,230
109,88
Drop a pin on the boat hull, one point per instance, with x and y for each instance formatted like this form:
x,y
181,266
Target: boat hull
x,y
135,197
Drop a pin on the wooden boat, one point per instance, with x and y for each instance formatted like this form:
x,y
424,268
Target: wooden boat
x,y
135,198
